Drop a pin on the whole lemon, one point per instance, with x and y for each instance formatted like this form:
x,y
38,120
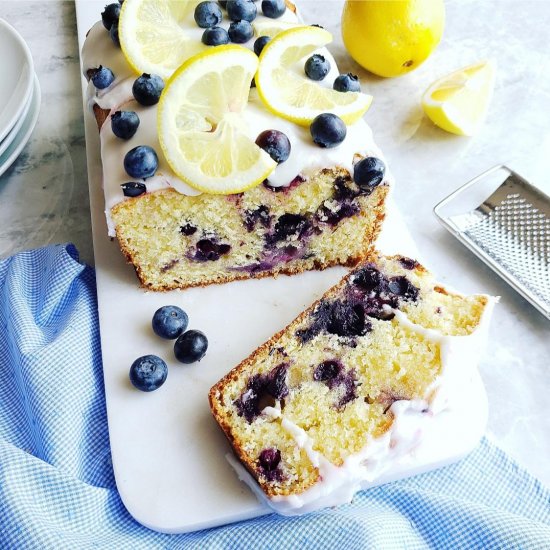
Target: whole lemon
x,y
392,37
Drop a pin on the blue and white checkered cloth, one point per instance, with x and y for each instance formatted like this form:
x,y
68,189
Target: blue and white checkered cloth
x,y
57,489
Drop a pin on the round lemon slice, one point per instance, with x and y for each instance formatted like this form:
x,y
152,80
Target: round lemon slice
x,y
459,101
272,27
153,37
201,129
286,91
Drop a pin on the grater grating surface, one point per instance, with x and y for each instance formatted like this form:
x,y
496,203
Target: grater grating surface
x,y
509,230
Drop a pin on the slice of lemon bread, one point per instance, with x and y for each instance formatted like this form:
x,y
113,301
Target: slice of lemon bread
x,y
349,386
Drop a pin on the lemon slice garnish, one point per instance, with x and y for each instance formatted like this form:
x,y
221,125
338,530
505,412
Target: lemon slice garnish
x,y
286,90
153,37
272,28
201,129
459,101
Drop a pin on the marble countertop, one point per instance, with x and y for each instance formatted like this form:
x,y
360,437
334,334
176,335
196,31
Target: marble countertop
x,y
44,195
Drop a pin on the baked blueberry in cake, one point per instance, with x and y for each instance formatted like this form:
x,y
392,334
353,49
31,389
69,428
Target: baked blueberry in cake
x,y
351,386
313,207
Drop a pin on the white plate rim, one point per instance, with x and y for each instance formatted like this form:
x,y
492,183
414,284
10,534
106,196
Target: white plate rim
x,y
17,113
12,135
25,132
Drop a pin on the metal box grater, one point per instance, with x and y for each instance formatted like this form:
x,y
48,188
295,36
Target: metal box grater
x,y
505,221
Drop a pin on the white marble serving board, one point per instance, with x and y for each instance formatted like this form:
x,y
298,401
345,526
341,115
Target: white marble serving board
x,y
167,451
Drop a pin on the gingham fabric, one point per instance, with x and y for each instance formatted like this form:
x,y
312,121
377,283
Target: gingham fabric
x,y
57,489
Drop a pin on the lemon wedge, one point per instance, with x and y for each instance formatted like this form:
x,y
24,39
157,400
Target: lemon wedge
x,y
152,35
287,92
201,129
459,101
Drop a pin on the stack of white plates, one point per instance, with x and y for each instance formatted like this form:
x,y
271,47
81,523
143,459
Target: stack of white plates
x,y
19,95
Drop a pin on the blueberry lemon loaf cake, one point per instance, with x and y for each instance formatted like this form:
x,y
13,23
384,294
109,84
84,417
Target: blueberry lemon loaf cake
x,y
352,385
245,167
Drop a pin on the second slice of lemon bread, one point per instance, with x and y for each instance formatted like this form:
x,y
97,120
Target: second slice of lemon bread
x,y
350,385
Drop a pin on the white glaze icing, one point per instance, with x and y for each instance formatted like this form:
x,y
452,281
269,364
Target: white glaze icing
x,y
438,429
305,158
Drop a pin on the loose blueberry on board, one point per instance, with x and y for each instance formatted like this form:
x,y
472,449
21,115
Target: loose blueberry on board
x,y
275,144
147,89
328,130
273,8
114,34
208,14
260,43
124,124
110,15
169,322
241,10
368,173
240,32
141,162
102,77
133,189
148,373
215,36
317,67
347,83
190,346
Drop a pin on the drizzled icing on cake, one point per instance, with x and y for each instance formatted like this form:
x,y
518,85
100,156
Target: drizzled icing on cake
x,y
440,428
305,158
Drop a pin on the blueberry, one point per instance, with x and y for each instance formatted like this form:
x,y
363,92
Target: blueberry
x,y
241,10
401,286
169,322
273,8
114,33
188,229
240,32
275,144
133,189
368,173
369,279
124,124
190,346
210,251
328,130
208,14
269,459
327,370
215,36
148,373
102,77
260,43
147,89
141,162
317,67
289,225
347,83
110,15
408,263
